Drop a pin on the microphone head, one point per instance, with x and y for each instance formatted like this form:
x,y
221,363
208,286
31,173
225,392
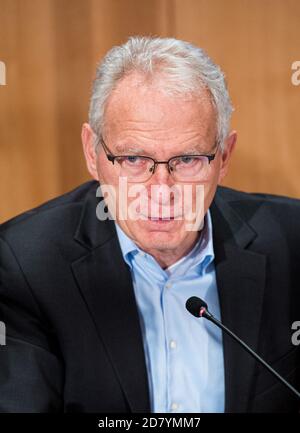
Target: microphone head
x,y
194,305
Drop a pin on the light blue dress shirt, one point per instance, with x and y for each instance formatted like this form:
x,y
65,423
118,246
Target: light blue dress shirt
x,y
184,355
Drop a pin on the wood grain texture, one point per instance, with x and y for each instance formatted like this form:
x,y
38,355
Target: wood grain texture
x,y
51,48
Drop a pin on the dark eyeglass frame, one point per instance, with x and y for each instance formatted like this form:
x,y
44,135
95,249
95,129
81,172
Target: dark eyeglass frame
x,y
111,157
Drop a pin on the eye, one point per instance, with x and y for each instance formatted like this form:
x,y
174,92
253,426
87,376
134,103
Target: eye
x,y
133,160
186,160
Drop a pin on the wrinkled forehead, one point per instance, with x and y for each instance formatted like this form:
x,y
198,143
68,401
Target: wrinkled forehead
x,y
139,103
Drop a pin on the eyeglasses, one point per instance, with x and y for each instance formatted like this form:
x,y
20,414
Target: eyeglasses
x,y
137,168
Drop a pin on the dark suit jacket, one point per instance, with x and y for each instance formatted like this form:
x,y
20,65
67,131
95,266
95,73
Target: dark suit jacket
x,y
74,342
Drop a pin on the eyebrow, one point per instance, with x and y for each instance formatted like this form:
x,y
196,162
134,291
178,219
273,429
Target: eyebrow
x,y
124,148
140,151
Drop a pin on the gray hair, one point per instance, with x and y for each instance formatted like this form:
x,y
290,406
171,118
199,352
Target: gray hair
x,y
185,68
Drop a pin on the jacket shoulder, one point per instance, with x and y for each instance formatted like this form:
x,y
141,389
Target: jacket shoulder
x,y
53,215
256,199
269,212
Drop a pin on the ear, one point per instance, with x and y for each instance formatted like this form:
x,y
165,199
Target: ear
x,y
87,138
229,145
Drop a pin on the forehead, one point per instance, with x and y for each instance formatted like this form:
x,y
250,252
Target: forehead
x,y
136,105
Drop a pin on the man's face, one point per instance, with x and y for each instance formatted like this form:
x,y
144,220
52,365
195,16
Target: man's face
x,y
142,120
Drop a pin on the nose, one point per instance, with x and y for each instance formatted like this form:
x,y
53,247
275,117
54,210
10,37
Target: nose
x,y
161,175
159,184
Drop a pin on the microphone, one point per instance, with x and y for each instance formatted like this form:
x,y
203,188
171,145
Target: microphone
x,y
198,308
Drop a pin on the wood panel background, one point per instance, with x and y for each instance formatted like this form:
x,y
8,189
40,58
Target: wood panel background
x,y
51,48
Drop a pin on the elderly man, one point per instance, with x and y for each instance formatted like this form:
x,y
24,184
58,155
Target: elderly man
x,y
94,298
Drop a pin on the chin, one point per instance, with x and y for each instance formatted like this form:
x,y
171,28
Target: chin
x,y
158,239
159,245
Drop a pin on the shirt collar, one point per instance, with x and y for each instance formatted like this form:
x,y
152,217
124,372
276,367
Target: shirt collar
x,y
128,247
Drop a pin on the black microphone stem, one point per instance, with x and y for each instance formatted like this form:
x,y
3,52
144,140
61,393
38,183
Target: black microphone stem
x,y
210,317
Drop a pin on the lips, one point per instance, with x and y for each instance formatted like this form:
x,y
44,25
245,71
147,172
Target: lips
x,y
163,219
162,213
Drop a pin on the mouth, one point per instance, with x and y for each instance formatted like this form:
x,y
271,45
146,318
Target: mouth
x,y
163,219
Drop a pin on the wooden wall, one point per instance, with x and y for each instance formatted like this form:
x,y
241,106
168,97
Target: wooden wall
x,y
51,47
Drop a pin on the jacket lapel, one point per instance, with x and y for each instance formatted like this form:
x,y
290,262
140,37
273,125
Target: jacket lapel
x,y
241,281
105,284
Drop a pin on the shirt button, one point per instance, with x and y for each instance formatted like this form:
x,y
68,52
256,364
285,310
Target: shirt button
x,y
174,406
168,285
173,344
